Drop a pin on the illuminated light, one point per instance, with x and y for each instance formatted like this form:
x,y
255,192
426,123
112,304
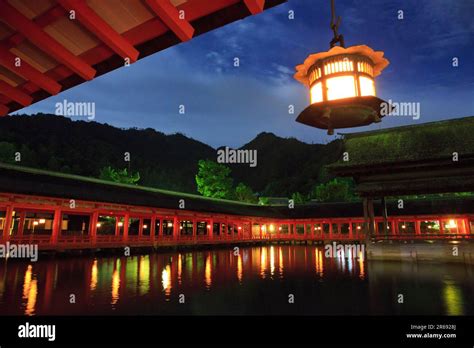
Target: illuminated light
x,y
208,273
367,86
272,228
180,227
340,87
42,221
452,224
208,226
240,227
170,224
35,223
166,279
404,226
119,224
145,226
316,93
98,224
239,268
115,285
30,291
272,260
279,228
94,276
358,227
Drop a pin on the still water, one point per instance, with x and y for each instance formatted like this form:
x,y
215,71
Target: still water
x,y
259,280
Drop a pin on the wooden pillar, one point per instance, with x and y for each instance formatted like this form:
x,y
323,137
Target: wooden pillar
x,y
140,227
126,220
8,223
370,210
210,230
417,227
351,235
330,229
175,228
385,216
56,226
194,229
21,223
93,226
153,228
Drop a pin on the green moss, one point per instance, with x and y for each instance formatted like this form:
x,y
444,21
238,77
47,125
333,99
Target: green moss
x,y
435,140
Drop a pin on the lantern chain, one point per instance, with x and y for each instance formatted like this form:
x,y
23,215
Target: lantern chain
x,y
335,23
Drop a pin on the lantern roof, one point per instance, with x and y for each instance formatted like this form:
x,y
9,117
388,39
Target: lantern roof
x,y
377,57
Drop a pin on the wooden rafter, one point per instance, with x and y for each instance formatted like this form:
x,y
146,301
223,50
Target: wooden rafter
x,y
15,93
171,17
15,19
26,71
255,6
93,22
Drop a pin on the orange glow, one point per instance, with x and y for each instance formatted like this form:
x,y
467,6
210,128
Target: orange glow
x,y
208,273
239,268
30,291
340,87
166,279
272,260
263,261
115,286
94,275
316,93
367,86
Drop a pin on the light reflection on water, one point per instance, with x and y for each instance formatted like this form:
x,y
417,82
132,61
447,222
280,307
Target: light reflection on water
x,y
254,281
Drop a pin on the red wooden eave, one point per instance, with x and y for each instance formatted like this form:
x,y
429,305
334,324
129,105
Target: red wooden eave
x,y
101,29
171,17
44,41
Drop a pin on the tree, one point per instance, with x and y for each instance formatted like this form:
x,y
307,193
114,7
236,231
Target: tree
x,y
121,176
298,198
7,152
244,193
336,190
213,180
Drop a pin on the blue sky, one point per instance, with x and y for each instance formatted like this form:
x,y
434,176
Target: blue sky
x,y
227,105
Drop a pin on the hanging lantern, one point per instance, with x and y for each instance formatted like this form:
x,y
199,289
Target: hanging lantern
x,y
341,82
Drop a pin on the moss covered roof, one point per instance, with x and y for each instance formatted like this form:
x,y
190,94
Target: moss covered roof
x,y
426,141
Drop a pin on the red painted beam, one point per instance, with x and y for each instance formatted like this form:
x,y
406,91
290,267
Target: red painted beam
x,y
43,20
101,29
255,6
171,17
3,110
15,19
28,72
15,94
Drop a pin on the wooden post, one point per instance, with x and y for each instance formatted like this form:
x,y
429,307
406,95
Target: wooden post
x,y
175,227
370,209
56,226
152,227
125,227
8,223
385,216
366,218
93,226
211,229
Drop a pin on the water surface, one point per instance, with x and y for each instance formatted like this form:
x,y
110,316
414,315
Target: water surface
x,y
259,280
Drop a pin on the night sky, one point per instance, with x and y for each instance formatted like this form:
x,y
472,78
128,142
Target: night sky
x,y
227,105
